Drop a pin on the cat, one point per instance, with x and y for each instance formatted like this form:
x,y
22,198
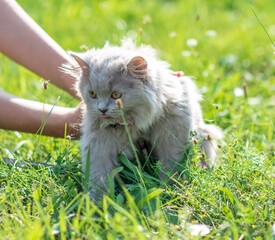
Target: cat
x,y
158,106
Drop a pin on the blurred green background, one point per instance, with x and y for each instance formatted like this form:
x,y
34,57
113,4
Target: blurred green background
x,y
222,45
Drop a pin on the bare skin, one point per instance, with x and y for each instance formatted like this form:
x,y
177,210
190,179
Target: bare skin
x,y
22,40
27,116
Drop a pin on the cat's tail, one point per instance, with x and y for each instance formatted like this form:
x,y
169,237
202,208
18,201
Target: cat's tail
x,y
210,134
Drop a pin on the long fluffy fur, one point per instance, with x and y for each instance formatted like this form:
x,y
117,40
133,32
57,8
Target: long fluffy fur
x,y
165,108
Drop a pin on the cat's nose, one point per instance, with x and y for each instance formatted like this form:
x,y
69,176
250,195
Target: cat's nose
x,y
103,110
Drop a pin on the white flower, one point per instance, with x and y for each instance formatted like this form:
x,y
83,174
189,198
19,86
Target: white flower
x,y
205,74
121,24
254,100
186,53
238,92
211,33
248,76
172,34
191,42
198,229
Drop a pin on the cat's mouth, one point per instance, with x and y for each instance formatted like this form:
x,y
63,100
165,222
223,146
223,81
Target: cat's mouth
x,y
103,116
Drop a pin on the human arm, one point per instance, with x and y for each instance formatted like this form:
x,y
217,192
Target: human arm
x,y
22,40
28,116
25,42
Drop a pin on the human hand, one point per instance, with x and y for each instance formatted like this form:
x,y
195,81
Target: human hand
x,y
74,120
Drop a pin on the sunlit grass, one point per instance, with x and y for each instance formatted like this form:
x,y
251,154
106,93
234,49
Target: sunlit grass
x,y
235,200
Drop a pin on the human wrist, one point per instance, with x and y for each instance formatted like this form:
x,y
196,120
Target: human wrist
x,y
72,120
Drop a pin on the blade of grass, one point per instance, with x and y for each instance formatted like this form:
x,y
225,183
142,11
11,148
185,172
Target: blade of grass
x,y
263,27
40,130
87,171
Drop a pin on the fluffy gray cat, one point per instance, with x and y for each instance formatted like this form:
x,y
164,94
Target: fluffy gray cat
x,y
158,107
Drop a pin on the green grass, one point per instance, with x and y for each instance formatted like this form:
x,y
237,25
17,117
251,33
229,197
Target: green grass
x,y
236,200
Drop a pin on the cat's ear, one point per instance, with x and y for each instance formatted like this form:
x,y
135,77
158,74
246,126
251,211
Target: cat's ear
x,y
81,62
137,67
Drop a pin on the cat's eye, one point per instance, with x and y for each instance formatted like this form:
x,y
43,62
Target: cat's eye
x,y
92,94
116,95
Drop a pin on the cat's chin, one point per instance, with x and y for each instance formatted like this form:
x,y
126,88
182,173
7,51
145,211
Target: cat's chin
x,y
104,116
112,122
106,122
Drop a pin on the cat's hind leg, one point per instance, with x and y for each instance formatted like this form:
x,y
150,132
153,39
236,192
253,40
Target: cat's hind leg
x,y
170,146
210,134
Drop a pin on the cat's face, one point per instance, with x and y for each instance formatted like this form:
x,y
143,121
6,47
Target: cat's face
x,y
104,81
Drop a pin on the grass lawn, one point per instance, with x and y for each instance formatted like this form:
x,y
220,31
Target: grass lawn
x,y
224,47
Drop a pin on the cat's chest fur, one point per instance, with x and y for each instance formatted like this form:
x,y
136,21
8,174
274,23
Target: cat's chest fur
x,y
112,139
